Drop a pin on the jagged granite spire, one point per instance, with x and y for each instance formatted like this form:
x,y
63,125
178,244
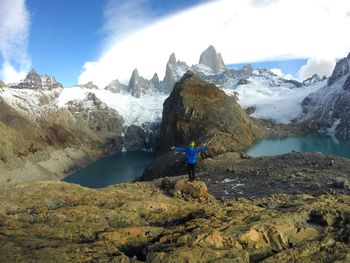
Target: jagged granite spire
x,y
173,72
138,85
212,60
155,80
172,59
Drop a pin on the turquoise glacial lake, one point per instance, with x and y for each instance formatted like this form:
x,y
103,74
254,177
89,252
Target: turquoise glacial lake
x,y
119,168
306,143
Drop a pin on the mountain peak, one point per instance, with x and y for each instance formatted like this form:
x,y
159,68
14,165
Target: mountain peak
x,y
314,78
155,79
212,59
35,81
172,59
135,73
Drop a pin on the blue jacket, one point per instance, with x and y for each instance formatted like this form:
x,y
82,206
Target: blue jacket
x,y
191,153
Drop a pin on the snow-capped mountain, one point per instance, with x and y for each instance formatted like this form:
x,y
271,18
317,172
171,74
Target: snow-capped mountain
x,y
328,109
34,95
37,82
314,78
41,139
47,126
141,101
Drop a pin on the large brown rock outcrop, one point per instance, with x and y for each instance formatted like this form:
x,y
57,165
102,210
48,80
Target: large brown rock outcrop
x,y
197,110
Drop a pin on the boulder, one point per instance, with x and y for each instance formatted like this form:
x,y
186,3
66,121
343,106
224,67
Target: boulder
x,y
194,189
341,182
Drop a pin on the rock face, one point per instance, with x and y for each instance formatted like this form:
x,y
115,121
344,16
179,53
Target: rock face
x,y
137,85
199,111
60,222
97,122
327,110
135,138
174,71
212,60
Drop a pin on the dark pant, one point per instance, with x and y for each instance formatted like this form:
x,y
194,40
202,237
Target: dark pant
x,y
190,167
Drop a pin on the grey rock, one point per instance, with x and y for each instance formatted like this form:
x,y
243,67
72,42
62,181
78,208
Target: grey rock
x,y
212,60
116,87
341,182
89,85
173,72
139,86
135,138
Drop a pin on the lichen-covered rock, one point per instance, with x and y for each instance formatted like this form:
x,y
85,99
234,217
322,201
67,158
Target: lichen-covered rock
x,y
61,222
197,110
194,189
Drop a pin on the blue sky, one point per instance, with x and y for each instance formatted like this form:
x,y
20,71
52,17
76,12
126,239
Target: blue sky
x,y
100,40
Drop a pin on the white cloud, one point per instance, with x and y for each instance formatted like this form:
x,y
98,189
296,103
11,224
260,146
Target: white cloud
x,y
240,30
263,3
14,32
320,66
277,71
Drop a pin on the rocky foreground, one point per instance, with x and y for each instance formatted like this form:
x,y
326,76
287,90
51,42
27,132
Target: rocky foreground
x,y
150,222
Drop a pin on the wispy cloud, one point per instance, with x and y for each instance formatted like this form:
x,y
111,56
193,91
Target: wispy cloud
x,y
14,33
123,17
240,30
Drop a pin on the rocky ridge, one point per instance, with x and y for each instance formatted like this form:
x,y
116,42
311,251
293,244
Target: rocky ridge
x,y
37,82
210,68
40,140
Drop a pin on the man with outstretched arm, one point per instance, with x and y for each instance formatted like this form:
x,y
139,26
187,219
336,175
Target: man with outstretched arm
x,y
191,157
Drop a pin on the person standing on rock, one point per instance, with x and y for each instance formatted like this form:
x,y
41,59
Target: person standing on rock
x,y
191,157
